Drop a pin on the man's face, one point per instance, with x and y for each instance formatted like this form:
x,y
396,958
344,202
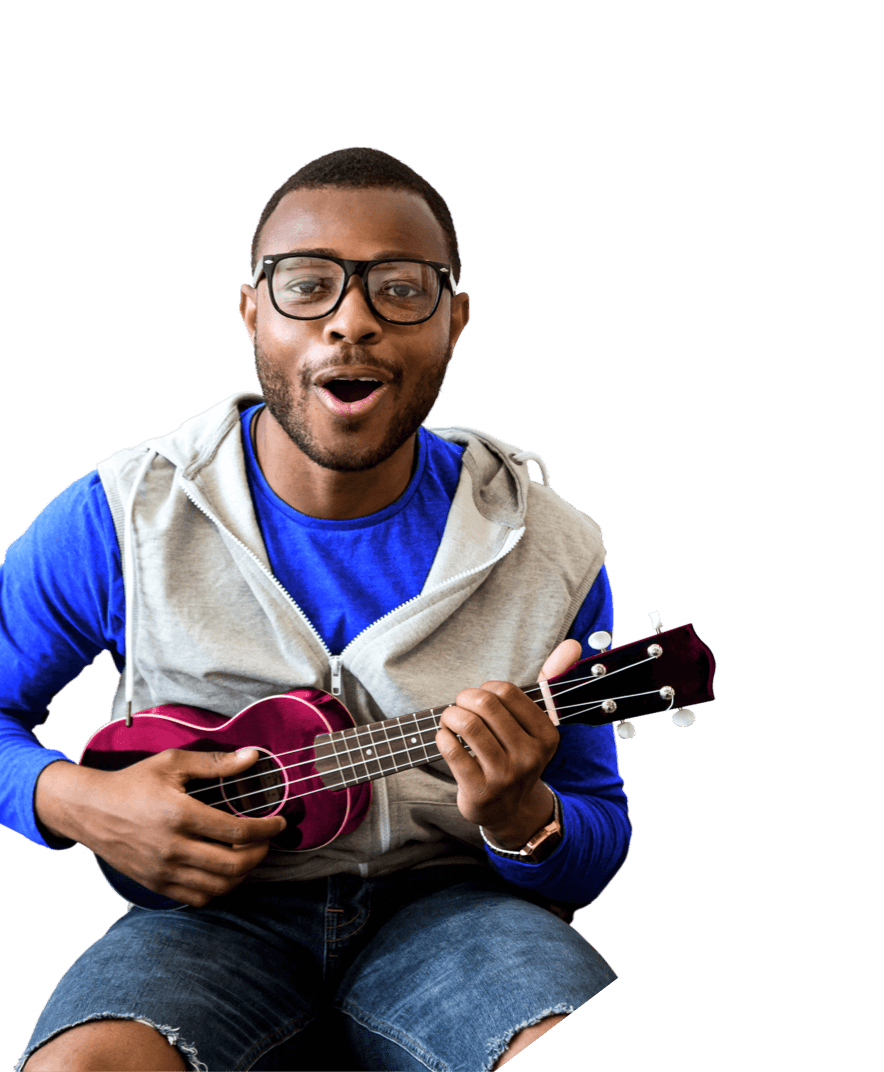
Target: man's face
x,y
313,372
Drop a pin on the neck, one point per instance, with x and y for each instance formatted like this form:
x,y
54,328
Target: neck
x,y
328,493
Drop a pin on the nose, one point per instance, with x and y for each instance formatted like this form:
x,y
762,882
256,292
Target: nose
x,y
354,318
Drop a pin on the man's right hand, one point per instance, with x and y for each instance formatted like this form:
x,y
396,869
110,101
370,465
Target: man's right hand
x,y
141,821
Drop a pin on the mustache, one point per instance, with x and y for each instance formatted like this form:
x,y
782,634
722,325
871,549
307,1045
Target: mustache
x,y
357,356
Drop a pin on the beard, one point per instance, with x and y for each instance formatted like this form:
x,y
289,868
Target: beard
x,y
353,456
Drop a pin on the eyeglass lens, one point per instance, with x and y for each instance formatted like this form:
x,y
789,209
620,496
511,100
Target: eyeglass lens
x,y
401,291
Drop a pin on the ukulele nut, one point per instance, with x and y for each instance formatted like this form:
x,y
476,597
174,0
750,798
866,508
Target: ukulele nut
x,y
655,651
598,670
609,706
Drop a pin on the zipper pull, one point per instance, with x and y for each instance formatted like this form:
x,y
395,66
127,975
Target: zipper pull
x,y
335,661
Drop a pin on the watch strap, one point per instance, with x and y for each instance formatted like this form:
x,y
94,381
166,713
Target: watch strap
x,y
541,844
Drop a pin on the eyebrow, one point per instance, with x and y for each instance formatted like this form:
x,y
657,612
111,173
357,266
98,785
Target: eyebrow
x,y
382,255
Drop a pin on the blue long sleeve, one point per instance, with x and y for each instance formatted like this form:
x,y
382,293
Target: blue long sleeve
x,y
61,603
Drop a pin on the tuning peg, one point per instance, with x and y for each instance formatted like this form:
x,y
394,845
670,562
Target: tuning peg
x,y
600,640
654,615
683,717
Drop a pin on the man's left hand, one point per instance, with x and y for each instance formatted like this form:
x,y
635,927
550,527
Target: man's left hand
x,y
512,741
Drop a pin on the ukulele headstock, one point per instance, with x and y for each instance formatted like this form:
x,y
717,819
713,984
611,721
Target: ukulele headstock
x,y
665,671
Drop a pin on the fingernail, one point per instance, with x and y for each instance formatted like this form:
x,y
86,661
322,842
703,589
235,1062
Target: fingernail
x,y
242,752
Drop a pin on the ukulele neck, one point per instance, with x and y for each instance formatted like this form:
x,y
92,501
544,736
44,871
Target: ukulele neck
x,y
364,753
672,668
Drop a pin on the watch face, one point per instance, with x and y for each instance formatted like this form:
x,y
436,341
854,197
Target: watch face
x,y
546,843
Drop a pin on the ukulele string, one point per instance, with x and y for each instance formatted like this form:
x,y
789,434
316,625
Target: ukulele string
x,y
350,767
340,770
388,755
575,684
560,691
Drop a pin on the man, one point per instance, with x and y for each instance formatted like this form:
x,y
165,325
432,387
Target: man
x,y
321,537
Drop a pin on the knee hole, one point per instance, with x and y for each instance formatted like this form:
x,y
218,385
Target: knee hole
x,y
123,1045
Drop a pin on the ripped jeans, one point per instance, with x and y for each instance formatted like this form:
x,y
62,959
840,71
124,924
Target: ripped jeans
x,y
436,968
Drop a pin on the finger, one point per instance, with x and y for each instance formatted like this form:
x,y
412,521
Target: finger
x,y
508,711
467,724
229,861
223,825
564,656
187,765
466,770
562,659
501,745
216,825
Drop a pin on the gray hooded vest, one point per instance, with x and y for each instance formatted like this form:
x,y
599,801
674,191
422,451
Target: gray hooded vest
x,y
209,625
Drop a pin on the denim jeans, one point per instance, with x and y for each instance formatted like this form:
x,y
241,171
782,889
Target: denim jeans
x,y
436,968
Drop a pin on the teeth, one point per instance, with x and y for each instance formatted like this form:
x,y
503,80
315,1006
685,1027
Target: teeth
x,y
354,379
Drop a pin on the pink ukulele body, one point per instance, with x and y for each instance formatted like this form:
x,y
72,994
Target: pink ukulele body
x,y
284,781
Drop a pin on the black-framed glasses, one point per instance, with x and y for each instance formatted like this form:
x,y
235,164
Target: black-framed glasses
x,y
307,287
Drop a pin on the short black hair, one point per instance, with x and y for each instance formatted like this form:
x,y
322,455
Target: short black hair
x,y
363,169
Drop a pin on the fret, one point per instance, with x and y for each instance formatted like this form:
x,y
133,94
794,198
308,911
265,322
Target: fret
x,y
355,767
421,737
328,761
381,748
367,742
362,754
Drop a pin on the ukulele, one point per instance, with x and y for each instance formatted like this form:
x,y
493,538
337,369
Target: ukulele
x,y
316,766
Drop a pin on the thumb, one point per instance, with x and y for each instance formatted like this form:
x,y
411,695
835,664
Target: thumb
x,y
243,756
214,764
565,655
186,763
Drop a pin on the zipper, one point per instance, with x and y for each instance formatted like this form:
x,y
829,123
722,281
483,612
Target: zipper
x,y
267,573
432,591
336,661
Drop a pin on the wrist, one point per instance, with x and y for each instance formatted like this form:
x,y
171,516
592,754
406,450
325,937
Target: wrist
x,y
59,793
538,811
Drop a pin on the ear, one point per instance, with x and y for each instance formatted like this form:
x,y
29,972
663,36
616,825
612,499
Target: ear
x,y
248,309
460,314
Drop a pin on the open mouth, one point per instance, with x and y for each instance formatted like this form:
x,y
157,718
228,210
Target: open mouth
x,y
352,390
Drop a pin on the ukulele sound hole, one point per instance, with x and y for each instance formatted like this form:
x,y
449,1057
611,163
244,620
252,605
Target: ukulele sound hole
x,y
257,791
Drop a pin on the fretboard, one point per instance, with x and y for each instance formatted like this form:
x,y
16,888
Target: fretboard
x,y
364,753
